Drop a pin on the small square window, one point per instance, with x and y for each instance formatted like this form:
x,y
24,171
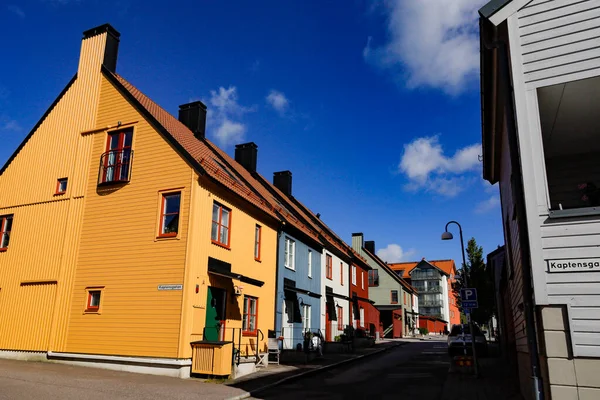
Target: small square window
x,y
93,300
61,186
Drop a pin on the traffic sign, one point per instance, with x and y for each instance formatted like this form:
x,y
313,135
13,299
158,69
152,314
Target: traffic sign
x,y
469,304
468,294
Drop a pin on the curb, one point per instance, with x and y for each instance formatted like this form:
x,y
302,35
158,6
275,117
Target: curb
x,y
312,371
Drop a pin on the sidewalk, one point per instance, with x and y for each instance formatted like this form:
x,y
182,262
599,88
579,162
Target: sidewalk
x,y
496,382
274,373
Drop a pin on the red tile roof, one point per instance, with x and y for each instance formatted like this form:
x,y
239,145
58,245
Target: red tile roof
x,y
195,148
218,164
446,266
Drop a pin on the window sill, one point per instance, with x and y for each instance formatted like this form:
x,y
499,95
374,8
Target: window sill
x,y
92,312
329,278
291,269
161,238
226,247
247,333
2,250
257,260
574,212
59,193
111,183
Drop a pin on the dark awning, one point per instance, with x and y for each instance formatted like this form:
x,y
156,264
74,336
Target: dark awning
x,y
302,291
329,292
292,297
355,308
330,308
222,268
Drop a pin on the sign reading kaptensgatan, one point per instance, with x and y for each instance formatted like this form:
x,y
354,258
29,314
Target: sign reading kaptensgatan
x,y
577,265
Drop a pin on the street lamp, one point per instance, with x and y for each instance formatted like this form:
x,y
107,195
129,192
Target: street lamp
x,y
448,236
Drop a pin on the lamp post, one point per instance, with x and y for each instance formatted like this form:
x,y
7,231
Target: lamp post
x,y
448,236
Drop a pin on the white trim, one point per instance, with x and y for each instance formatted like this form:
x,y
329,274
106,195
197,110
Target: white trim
x,y
523,100
507,11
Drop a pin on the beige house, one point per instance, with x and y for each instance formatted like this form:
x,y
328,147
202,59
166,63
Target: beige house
x,y
540,81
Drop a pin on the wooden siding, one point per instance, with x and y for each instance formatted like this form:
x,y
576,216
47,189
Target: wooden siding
x,y
512,238
241,257
120,251
45,234
559,40
300,277
26,323
554,42
335,284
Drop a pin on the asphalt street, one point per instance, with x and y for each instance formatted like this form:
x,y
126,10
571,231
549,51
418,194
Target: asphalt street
x,y
415,371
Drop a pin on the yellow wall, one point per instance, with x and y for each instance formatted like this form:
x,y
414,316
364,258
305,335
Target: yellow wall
x,y
240,256
46,227
120,250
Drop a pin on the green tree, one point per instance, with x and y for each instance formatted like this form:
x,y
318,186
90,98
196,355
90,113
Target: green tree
x,y
479,278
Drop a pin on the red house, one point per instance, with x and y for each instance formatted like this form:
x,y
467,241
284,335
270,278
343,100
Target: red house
x,y
364,315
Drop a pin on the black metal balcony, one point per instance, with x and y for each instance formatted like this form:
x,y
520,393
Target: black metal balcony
x,y
115,166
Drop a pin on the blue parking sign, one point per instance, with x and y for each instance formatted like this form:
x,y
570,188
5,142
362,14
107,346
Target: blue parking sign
x,y
468,294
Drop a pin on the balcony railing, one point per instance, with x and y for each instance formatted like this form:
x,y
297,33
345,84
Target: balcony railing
x,y
430,303
418,275
435,289
115,166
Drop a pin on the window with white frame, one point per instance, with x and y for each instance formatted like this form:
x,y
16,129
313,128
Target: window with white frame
x,y
306,315
362,317
362,279
569,129
354,274
290,252
310,263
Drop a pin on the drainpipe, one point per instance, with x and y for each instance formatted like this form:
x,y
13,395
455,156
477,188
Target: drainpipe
x,y
519,196
277,238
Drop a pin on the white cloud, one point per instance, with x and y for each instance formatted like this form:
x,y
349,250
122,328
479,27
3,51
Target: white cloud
x,y
394,253
224,114
278,101
16,10
487,205
11,126
427,167
230,132
432,43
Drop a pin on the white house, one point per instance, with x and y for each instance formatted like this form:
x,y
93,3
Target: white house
x,y
540,81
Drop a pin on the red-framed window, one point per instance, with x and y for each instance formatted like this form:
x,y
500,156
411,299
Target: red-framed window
x,y
250,319
117,158
373,277
93,300
221,225
342,273
61,186
169,214
5,228
257,237
394,297
340,318
328,266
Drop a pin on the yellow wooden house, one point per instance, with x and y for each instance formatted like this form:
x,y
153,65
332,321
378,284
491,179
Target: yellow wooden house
x,y
126,235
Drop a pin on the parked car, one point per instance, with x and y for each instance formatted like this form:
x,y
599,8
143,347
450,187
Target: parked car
x,y
459,341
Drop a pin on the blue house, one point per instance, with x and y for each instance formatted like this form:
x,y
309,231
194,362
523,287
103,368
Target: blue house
x,y
298,290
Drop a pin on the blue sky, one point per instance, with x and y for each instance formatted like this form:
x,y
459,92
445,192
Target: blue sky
x,y
373,106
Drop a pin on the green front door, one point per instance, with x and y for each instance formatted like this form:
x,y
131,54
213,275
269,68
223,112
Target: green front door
x,y
215,313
